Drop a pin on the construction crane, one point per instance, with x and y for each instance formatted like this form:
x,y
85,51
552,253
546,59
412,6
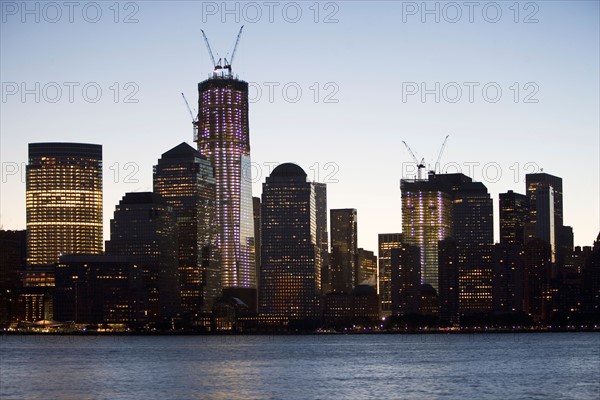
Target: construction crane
x,y
436,166
420,164
237,41
216,65
194,118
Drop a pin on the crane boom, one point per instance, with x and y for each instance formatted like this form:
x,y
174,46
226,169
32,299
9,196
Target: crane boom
x,y
237,41
437,162
420,164
188,107
210,53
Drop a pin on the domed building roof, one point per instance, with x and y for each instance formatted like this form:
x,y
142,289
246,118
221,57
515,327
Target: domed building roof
x,y
288,172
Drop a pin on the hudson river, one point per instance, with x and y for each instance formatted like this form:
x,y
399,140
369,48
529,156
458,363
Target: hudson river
x,y
385,366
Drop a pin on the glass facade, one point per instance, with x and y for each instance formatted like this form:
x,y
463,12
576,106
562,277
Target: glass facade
x,y
514,212
185,180
223,138
426,219
64,201
343,269
386,242
291,270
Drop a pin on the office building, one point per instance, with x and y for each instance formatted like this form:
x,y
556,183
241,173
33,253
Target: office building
x,y
290,271
144,228
184,179
63,201
343,270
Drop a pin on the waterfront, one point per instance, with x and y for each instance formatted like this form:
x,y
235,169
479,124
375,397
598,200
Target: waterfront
x,y
395,366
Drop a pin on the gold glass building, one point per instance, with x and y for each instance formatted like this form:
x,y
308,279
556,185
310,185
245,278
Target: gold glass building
x,y
64,201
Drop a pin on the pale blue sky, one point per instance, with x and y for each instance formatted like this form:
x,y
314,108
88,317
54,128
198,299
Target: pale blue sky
x,y
372,52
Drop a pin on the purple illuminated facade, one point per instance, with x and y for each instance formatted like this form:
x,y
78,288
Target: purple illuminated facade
x,y
223,138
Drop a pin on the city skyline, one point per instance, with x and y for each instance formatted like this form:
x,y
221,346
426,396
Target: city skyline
x,y
514,132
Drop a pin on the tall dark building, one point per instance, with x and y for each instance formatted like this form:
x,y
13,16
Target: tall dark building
x,y
64,201
342,270
290,273
184,179
537,278
99,289
256,206
449,288
406,279
322,233
545,193
507,280
223,138
591,281
386,242
13,250
144,228
473,231
514,214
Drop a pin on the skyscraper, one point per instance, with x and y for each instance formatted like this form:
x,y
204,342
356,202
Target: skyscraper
x,y
223,138
343,270
144,228
386,242
514,214
185,181
406,279
64,201
257,243
426,219
322,233
291,271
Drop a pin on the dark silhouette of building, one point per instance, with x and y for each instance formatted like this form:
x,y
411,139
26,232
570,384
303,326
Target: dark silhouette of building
x,y
358,309
99,289
386,242
184,179
343,269
406,279
291,270
514,214
545,193
13,251
144,228
256,206
365,306
537,278
448,281
223,138
508,278
591,281
64,201
428,301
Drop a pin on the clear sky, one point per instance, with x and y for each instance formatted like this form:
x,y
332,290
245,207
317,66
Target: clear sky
x,y
517,87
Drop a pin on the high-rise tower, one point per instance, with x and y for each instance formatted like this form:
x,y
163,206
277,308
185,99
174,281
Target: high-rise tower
x,y
64,201
223,138
185,181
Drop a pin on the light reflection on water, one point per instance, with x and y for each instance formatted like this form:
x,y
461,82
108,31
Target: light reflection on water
x,y
540,365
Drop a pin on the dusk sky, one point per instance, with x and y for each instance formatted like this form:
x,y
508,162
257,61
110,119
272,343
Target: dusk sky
x,y
517,87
